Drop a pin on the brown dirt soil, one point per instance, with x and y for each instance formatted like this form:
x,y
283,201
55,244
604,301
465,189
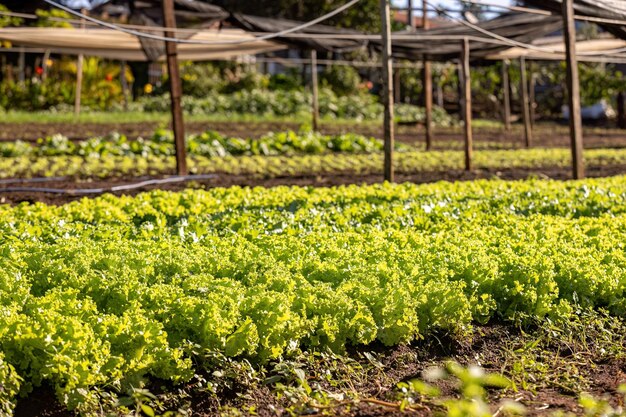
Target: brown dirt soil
x,y
227,180
375,385
543,135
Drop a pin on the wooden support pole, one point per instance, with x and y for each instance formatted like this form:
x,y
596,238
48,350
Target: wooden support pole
x,y
397,98
428,85
79,83
531,94
21,66
506,96
3,67
467,102
573,87
525,102
314,87
387,90
44,65
410,19
621,110
440,101
124,83
171,51
79,75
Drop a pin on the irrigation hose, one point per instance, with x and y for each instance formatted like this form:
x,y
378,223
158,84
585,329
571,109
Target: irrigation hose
x,y
92,191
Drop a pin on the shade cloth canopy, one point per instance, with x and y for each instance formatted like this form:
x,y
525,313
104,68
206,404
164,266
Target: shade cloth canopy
x,y
272,25
555,43
607,9
518,27
112,44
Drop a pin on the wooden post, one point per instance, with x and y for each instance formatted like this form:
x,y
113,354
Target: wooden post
x,y
387,90
314,85
44,65
440,101
21,67
175,89
428,85
124,83
621,110
410,19
79,75
3,67
79,83
531,95
573,87
506,96
467,102
528,133
397,98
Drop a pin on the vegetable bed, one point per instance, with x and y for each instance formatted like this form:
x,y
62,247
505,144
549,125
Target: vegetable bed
x,y
99,294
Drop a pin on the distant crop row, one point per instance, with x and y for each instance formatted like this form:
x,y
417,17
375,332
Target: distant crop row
x,y
99,294
207,144
108,165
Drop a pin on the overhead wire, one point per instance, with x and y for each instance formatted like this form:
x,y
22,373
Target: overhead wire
x,y
501,40
199,42
523,45
593,19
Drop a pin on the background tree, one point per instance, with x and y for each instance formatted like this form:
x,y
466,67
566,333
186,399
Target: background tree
x,y
364,16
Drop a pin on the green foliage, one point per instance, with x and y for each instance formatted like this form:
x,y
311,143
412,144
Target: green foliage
x,y
199,79
9,386
9,20
365,17
101,88
410,162
110,291
207,144
47,18
289,81
35,94
342,79
360,106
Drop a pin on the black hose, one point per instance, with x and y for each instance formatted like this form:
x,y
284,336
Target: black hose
x,y
88,191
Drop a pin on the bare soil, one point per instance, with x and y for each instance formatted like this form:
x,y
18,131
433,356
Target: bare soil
x,y
376,385
543,135
228,180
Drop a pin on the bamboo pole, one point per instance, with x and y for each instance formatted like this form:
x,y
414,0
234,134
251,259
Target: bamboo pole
x,y
388,131
525,102
573,87
315,87
467,102
506,95
175,89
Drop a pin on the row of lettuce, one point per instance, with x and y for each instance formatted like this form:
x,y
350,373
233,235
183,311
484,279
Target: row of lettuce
x,y
100,294
406,162
207,144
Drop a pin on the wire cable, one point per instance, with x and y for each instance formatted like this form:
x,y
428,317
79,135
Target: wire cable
x,y
546,13
199,42
523,45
